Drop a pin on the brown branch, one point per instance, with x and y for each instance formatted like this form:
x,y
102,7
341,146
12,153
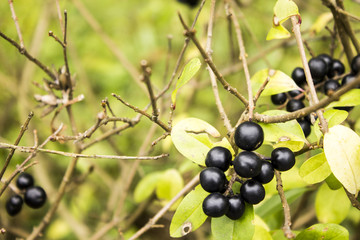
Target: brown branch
x,y
24,127
145,77
191,34
354,202
287,217
13,14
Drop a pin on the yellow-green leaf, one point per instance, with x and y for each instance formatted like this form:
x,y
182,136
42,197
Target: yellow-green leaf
x,y
328,231
278,82
333,117
146,186
321,22
277,32
351,98
315,169
169,184
189,71
342,151
284,9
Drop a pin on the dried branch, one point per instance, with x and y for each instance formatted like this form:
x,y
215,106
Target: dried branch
x,y
145,77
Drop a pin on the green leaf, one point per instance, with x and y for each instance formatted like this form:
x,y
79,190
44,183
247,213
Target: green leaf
x,y
288,133
321,22
189,215
333,117
190,137
315,169
342,151
223,228
277,32
332,206
189,71
261,233
351,98
278,82
146,186
169,184
332,182
328,231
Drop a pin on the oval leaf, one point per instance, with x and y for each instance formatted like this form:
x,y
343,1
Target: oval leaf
x,y
328,209
315,169
223,228
190,137
189,71
169,184
189,215
278,82
284,9
146,186
351,98
342,151
328,231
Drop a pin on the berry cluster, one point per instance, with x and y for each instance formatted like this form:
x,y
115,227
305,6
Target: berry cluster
x,y
252,170
34,196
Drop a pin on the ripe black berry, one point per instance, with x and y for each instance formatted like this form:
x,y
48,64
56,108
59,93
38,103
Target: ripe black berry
x,y
279,98
266,173
318,69
219,157
294,105
25,180
298,75
327,59
236,207
348,79
282,159
355,64
14,205
191,3
212,179
252,191
215,205
247,164
305,125
249,136
337,68
295,93
331,86
35,197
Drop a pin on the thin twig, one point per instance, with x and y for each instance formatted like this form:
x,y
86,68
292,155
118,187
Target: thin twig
x,y
60,17
13,14
354,202
145,77
11,153
287,221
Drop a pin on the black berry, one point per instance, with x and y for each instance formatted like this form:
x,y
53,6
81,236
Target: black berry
x,y
294,105
24,181
327,59
212,179
337,68
295,93
355,64
252,191
305,125
14,205
266,173
35,197
191,3
318,69
298,75
348,79
247,164
215,205
279,98
331,86
219,157
282,158
236,207
249,136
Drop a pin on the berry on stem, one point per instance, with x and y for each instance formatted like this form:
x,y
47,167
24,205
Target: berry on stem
x,y
215,205
337,68
24,181
331,86
35,197
249,136
14,204
236,207
318,69
219,157
305,125
252,191
212,179
266,173
294,105
295,93
298,75
279,98
282,158
327,59
247,164
355,64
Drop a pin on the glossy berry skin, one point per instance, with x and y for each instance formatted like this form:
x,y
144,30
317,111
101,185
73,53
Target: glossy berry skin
x,y
236,207
279,98
247,164
318,69
337,68
266,173
212,179
219,157
14,205
249,136
295,93
294,105
35,197
298,75
305,126
191,3
215,205
327,59
24,181
331,86
282,158
355,64
348,79
252,191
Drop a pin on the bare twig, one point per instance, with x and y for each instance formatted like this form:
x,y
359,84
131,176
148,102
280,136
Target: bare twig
x,y
354,202
145,77
17,26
